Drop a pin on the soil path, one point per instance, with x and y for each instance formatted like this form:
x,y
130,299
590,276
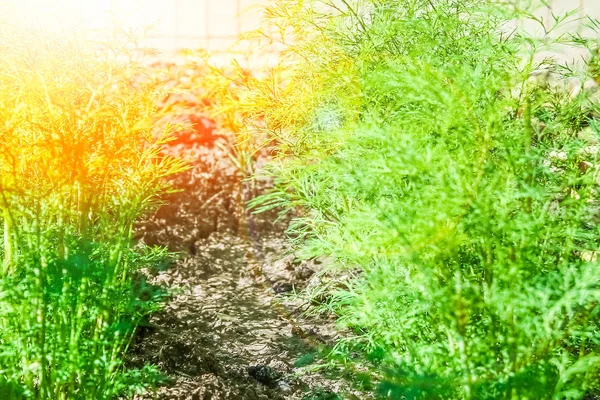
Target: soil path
x,y
230,329
219,338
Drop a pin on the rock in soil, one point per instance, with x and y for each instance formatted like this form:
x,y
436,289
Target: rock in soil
x,y
264,374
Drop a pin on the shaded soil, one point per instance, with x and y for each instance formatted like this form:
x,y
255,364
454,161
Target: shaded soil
x,y
224,334
232,328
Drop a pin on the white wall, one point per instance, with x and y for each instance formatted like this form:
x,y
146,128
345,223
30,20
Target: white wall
x,y
212,24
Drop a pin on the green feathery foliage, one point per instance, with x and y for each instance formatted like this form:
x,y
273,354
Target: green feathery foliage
x,y
461,193
80,161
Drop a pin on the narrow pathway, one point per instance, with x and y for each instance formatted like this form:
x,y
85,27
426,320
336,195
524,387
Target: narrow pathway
x,y
223,334
231,330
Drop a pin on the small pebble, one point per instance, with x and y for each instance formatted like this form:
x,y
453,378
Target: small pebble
x,y
282,287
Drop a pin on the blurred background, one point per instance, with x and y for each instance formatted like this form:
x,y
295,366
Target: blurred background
x,y
166,25
214,25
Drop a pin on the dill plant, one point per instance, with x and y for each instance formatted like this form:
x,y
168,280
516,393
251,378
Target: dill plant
x,y
460,194
80,161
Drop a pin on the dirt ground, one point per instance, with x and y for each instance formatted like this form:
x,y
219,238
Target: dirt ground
x,y
233,327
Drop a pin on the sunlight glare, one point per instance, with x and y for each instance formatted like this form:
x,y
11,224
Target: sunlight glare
x,y
81,16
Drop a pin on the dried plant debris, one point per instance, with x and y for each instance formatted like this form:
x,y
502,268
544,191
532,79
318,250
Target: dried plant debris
x,y
226,334
233,326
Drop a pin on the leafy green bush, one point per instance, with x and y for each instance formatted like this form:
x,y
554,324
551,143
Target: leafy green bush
x,y
80,161
460,193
